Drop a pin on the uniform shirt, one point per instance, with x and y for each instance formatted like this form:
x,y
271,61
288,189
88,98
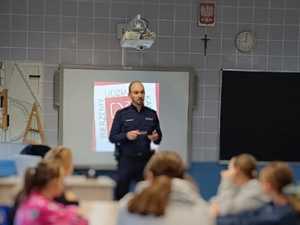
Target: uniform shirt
x,y
128,119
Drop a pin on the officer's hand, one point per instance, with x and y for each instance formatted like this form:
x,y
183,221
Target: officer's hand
x,y
154,136
133,134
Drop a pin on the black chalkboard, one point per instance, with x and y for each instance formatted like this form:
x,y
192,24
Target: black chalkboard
x,y
260,115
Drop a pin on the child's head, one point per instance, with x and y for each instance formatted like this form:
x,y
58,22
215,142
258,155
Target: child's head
x,y
153,200
62,156
46,177
275,176
245,164
165,163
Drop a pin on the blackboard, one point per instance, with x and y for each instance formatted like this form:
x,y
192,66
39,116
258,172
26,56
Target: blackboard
x,y
260,115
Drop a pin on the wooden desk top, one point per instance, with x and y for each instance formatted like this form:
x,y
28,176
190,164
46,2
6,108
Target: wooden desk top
x,y
100,212
69,181
10,180
83,181
100,188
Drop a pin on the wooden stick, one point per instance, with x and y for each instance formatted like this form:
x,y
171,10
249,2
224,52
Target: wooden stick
x,y
4,106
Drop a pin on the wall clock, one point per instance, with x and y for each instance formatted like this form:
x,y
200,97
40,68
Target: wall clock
x,y
245,41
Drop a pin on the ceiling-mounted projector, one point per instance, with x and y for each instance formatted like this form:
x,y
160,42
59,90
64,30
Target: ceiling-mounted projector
x,y
137,34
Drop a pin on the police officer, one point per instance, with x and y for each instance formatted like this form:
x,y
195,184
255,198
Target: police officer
x,y
133,129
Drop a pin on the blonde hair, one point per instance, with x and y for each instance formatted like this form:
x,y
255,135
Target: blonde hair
x,y
278,174
63,156
153,200
246,163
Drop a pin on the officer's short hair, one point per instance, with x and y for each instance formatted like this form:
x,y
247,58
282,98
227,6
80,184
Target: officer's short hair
x,y
132,83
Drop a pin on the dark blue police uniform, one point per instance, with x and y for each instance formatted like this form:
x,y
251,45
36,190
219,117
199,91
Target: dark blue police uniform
x,y
133,154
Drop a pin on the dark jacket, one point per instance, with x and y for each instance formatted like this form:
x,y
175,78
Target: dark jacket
x,y
270,214
128,119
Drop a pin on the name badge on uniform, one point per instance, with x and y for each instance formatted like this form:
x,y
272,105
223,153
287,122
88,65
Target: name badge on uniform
x,y
129,120
148,118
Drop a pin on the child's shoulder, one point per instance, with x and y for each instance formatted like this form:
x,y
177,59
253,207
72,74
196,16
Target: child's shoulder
x,y
37,200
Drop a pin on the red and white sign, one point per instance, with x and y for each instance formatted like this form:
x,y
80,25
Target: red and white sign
x,y
207,13
112,105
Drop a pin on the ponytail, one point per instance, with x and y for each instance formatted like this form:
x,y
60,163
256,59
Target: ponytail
x,y
295,203
152,200
28,186
37,178
29,180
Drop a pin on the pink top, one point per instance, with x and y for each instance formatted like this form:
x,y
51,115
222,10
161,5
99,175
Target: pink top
x,y
38,210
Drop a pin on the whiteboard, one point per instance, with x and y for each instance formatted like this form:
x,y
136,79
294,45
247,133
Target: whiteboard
x,y
76,111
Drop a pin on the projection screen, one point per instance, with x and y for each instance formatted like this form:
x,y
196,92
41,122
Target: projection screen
x,y
89,97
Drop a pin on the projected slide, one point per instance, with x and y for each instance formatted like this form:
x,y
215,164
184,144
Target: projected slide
x,y
109,97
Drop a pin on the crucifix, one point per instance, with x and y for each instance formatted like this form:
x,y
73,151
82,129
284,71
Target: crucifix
x,y
205,39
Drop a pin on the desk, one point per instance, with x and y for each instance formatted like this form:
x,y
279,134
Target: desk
x,y
100,188
9,187
100,212
89,189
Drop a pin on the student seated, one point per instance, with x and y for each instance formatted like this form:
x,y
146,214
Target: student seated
x,y
41,185
238,190
63,156
166,197
280,211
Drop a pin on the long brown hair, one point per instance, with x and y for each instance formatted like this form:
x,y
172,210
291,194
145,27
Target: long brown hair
x,y
153,200
246,163
37,178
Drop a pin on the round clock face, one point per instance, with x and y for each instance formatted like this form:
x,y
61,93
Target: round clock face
x,y
245,41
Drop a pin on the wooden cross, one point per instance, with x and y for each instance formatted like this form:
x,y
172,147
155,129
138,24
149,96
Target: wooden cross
x,y
205,39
